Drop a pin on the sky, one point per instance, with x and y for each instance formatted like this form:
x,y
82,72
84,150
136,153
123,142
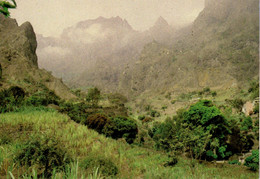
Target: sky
x,y
50,17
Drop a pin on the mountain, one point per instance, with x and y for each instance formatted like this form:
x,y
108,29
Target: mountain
x,y
94,52
219,50
90,47
19,63
161,32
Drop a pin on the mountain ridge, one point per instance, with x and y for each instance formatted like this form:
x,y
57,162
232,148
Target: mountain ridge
x,y
19,63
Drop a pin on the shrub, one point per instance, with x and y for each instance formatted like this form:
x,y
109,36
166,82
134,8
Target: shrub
x,y
247,124
256,108
44,153
96,122
141,117
234,162
42,98
164,107
93,96
154,113
173,101
172,162
11,99
105,166
147,119
121,127
253,161
77,112
214,93
236,103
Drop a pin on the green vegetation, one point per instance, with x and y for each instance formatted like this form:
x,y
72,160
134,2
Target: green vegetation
x,y
93,96
253,161
84,145
49,144
121,127
5,5
105,166
44,153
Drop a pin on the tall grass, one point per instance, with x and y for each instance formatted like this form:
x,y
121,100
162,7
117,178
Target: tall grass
x,y
132,161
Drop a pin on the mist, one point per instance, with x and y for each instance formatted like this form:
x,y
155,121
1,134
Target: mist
x,y
51,17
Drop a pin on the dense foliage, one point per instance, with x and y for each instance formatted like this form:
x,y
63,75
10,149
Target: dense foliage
x,y
93,96
97,122
44,153
121,127
253,161
105,166
202,131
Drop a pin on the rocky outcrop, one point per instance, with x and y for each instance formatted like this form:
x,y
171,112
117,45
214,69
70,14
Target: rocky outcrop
x,y
19,61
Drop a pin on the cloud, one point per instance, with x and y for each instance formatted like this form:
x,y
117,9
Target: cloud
x,y
51,17
54,51
91,34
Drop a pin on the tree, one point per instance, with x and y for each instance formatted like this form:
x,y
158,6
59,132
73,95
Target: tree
x,y
5,5
93,96
206,118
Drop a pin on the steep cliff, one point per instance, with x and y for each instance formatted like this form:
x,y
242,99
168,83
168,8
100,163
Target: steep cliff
x,y
18,60
219,50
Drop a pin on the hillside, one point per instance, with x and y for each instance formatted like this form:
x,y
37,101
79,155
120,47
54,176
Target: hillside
x,y
19,63
219,50
82,144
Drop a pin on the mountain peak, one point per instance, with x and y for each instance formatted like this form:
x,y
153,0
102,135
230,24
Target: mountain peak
x,y
161,22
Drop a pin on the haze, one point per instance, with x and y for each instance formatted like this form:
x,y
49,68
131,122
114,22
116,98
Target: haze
x,y
50,17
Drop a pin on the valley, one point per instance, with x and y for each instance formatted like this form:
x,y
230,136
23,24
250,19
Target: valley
x,y
104,100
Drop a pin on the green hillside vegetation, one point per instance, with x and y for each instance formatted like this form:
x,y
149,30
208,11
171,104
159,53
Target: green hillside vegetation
x,y
90,153
45,136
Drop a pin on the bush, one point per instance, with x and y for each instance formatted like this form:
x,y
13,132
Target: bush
x,y
42,98
173,101
234,162
172,162
253,161
11,99
147,119
247,124
93,96
214,93
154,113
96,122
256,108
141,117
44,153
105,166
77,112
121,127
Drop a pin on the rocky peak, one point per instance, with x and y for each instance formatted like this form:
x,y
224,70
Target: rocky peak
x,y
161,22
25,42
18,60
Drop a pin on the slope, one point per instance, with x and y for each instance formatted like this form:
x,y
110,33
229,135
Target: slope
x,y
18,60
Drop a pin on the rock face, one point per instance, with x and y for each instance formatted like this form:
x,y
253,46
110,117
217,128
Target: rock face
x,y
19,61
219,50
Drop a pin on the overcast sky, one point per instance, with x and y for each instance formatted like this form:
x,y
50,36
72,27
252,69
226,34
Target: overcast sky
x,y
50,17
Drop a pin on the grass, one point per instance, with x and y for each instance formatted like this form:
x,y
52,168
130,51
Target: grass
x,y
132,161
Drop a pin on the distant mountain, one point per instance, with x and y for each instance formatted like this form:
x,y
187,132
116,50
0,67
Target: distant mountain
x,y
219,50
161,32
19,63
94,52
